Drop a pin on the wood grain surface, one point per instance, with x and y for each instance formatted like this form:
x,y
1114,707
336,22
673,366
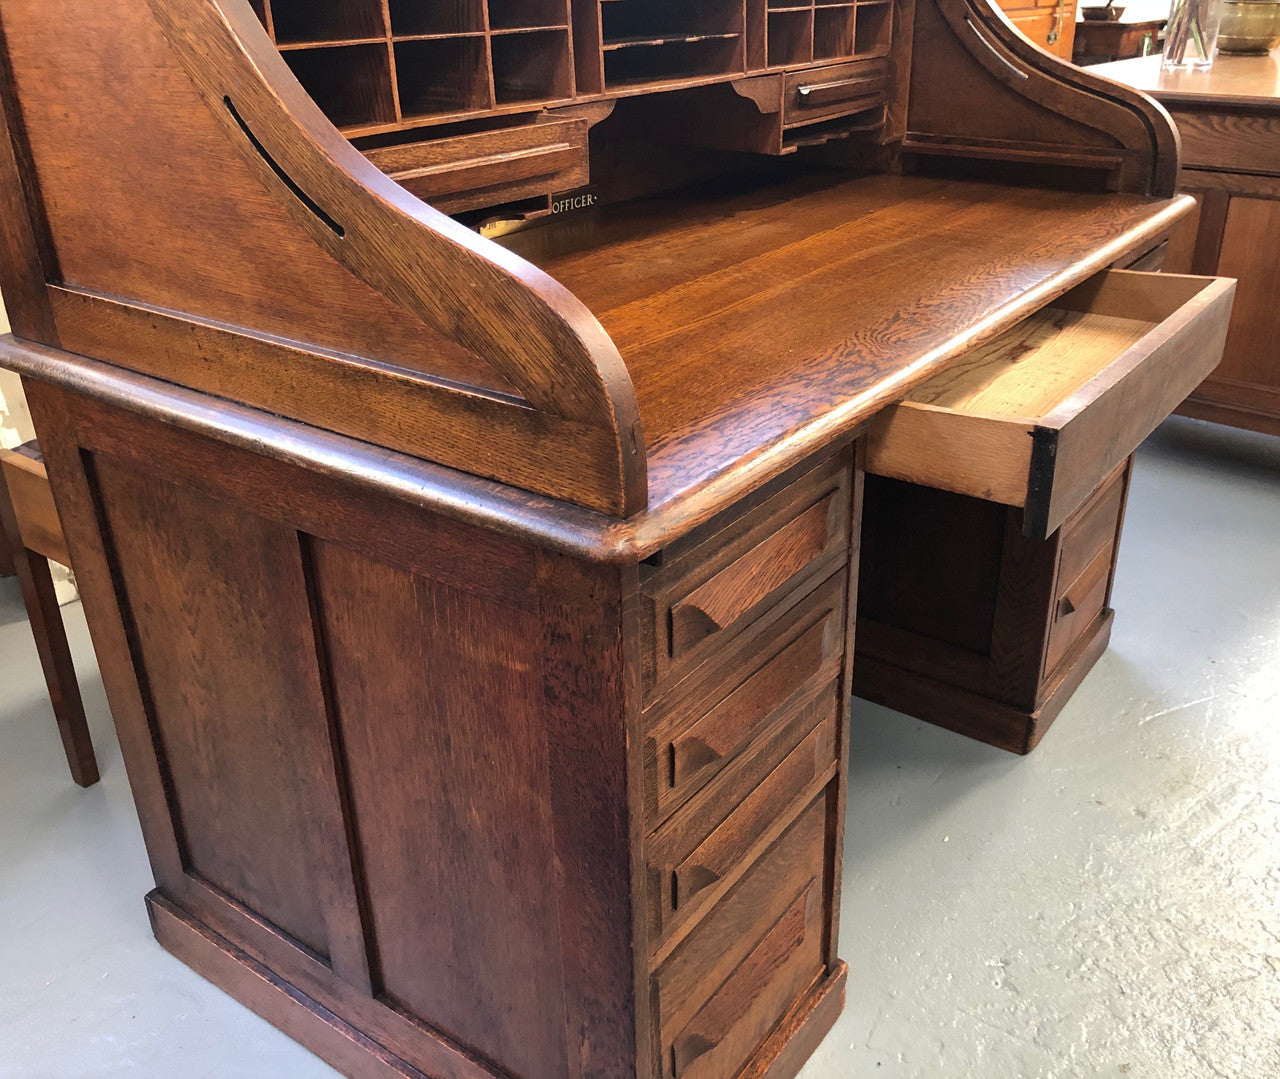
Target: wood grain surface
x,y
1030,369
804,308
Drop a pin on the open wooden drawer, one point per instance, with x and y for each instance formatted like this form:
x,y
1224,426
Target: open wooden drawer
x,y
1040,415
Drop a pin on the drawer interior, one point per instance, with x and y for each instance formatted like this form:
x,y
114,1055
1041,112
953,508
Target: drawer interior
x,y
1038,416
1031,369
1035,367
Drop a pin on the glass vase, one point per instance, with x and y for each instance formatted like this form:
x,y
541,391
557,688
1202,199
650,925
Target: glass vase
x,y
1191,34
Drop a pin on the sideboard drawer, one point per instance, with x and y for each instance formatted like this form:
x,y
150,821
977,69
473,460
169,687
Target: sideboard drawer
x,y
706,595
1042,414
700,731
727,985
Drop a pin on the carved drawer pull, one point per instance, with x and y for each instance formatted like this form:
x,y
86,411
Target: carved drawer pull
x,y
731,840
738,587
1082,586
735,720
733,1000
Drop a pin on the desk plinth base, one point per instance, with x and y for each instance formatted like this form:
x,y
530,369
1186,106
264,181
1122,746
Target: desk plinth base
x,y
355,1054
1249,418
971,714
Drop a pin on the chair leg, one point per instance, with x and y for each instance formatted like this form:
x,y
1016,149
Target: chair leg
x,y
51,642
6,557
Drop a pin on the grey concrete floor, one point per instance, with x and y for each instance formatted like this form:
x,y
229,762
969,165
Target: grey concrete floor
x,y
1108,906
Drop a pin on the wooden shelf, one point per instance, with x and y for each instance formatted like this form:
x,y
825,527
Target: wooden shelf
x,y
326,20
294,46
521,14
351,83
790,36
433,17
873,30
531,66
443,75
632,42
833,35
456,59
678,40
799,32
673,61
380,67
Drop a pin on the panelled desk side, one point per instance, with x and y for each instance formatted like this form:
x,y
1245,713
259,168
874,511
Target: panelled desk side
x,y
1229,120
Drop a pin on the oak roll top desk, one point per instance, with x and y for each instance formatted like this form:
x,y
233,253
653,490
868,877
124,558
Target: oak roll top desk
x,y
477,616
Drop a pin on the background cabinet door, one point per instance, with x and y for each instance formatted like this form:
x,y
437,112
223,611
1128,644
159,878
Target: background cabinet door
x,y
1250,252
1051,24
1238,236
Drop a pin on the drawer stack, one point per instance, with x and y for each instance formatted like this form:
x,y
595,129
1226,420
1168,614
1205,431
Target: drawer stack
x,y
743,678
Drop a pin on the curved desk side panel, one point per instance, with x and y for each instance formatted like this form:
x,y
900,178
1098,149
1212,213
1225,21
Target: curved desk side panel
x,y
283,270
1006,99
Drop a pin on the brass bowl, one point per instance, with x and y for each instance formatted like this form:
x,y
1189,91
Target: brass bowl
x,y
1101,14
1249,26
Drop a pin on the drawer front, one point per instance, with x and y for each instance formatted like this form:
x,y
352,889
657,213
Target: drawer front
x,y
470,171
1230,139
740,971
1086,556
1093,529
697,735
1078,605
825,93
1041,415
694,606
706,844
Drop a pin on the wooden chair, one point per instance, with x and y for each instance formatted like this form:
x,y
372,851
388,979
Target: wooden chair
x,y
33,534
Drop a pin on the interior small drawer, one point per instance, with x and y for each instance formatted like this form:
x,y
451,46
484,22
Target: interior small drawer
x,y
822,93
1040,415
702,599
704,846
753,692
741,969
467,172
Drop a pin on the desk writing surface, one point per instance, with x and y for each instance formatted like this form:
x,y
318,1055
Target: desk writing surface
x,y
761,322
1241,80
